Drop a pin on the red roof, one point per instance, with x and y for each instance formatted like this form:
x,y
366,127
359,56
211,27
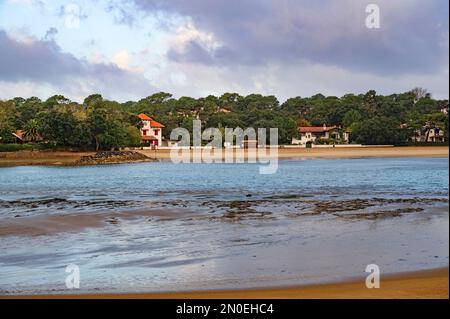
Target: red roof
x,y
19,134
148,138
156,124
153,123
144,117
316,129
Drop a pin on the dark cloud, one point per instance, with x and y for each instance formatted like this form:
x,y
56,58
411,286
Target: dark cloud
x,y
50,34
42,61
36,60
413,37
121,14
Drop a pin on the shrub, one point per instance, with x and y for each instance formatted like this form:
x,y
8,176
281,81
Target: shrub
x,y
17,147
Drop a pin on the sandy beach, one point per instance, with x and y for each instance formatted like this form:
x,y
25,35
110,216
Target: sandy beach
x,y
412,285
27,158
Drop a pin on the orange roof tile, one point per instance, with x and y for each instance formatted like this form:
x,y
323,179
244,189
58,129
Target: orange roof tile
x,y
153,123
144,117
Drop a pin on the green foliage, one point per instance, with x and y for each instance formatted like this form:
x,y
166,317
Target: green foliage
x,y
378,131
132,136
325,141
106,131
61,128
7,115
17,147
99,123
31,129
352,116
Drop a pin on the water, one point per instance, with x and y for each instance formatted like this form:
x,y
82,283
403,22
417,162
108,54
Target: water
x,y
164,227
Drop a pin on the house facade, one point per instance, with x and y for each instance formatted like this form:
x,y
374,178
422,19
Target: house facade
x,y
435,135
309,134
427,134
151,131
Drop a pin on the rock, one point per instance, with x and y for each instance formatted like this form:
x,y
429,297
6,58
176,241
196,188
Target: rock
x,y
113,157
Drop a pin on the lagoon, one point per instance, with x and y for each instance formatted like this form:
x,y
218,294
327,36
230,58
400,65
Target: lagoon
x,y
170,227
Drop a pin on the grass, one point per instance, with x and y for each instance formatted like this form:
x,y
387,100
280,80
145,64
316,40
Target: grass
x,y
17,147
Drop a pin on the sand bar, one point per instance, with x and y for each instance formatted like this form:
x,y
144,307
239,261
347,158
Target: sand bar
x,y
27,158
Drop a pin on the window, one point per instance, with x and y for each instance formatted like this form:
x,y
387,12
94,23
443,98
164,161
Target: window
x,y
156,132
144,132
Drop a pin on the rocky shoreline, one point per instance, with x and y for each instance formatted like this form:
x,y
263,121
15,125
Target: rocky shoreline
x,y
113,157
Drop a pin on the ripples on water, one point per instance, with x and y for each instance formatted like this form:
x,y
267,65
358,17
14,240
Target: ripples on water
x,y
159,226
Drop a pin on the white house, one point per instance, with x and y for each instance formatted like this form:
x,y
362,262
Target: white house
x,y
151,131
309,134
427,134
434,135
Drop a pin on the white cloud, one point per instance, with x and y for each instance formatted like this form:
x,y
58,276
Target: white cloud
x,y
187,33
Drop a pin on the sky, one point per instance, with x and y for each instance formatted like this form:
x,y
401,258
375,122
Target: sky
x,y
130,49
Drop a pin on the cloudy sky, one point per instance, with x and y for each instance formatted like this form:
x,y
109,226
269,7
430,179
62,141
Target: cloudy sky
x,y
129,49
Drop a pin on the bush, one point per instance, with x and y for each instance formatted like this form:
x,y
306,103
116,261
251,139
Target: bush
x,y
17,147
378,131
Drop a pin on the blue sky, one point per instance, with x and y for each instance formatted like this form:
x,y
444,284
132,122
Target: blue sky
x,y
129,49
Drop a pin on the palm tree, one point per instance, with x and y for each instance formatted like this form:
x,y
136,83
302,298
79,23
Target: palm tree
x,y
31,129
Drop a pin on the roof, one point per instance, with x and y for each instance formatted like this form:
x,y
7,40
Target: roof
x,y
316,129
19,134
144,117
153,123
148,138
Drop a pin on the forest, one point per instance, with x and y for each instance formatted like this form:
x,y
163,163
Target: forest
x,y
99,123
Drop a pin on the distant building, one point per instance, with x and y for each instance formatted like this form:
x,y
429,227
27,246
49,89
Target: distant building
x,y
21,138
151,131
427,134
445,110
434,135
309,134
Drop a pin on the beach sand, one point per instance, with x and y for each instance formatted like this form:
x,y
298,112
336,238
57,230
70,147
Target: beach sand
x,y
412,285
40,158
26,158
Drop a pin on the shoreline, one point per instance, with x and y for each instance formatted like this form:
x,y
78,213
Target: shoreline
x,y
421,284
65,158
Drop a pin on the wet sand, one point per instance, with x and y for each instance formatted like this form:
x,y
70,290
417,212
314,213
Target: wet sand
x,y
27,158
233,211
412,285
65,223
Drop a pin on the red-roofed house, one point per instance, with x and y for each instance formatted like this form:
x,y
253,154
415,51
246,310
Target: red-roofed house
x,y
151,131
20,137
308,134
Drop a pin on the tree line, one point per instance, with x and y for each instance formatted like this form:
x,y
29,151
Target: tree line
x,y
98,123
